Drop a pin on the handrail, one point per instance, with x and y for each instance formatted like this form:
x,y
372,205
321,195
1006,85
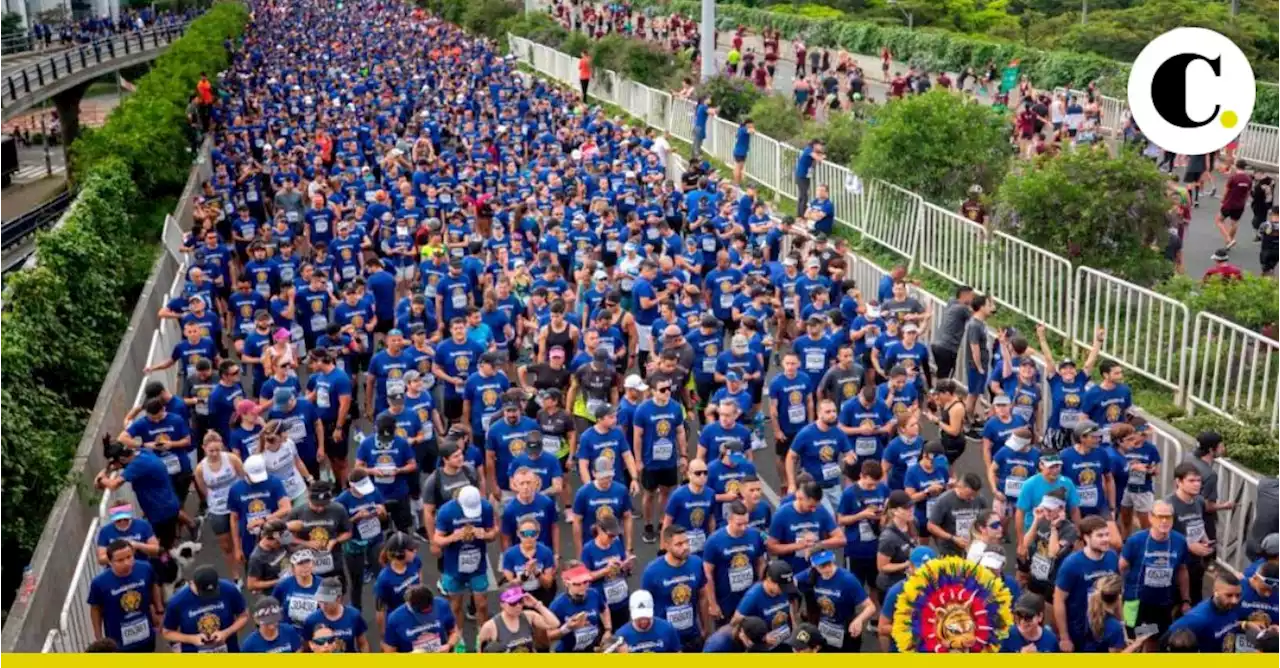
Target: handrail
x,y
16,231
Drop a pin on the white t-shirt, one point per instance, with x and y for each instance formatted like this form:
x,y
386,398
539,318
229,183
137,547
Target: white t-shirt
x,y
661,148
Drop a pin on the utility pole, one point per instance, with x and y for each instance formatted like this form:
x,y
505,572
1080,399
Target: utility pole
x,y
1084,12
707,46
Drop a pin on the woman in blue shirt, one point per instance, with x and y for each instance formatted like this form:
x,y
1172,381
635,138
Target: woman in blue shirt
x,y
1104,631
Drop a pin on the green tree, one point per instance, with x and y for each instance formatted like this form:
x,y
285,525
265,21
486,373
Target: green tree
x,y
937,145
1094,210
841,135
734,97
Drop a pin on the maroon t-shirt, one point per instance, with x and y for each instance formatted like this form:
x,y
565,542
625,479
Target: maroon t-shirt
x,y
1237,191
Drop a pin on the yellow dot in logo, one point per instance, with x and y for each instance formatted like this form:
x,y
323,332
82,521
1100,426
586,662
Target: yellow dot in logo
x,y
1229,119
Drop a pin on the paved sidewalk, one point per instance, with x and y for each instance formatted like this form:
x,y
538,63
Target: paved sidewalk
x,y
19,199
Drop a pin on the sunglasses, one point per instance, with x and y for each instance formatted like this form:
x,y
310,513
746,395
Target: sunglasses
x,y
995,525
698,473
327,640
662,389
529,533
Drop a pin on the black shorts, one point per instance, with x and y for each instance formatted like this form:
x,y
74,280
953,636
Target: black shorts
x,y
1233,214
652,479
1269,259
781,443
453,410
336,448
385,325
1151,613
865,569
1192,177
181,486
166,532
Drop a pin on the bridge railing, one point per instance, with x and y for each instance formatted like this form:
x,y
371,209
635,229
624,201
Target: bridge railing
x,y
30,78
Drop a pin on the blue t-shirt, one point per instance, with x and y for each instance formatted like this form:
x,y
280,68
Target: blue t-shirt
x,y
821,452
901,454
1013,469
297,600
513,560
389,587
661,638
138,530
287,641
380,456
862,539
774,610
464,558
854,414
125,603
1047,643
694,511
714,436
1034,490
457,360
838,597
1112,638
348,628
254,501
408,629
1107,407
1087,471
1217,631
998,431
506,441
676,591
591,504
546,466
485,394
792,395
614,590
1076,577
147,474
1140,481
586,638
660,447
1153,567
611,445
189,613
170,428
733,560
789,524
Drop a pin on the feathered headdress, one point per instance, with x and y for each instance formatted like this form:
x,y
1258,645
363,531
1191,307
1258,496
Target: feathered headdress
x,y
952,605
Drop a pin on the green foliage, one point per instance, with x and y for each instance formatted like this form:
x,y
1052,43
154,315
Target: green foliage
x,y
90,269
733,97
487,17
1266,107
1092,209
776,116
538,27
841,134
1250,302
809,10
937,145
1250,442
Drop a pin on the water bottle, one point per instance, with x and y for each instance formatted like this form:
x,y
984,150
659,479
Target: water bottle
x,y
460,648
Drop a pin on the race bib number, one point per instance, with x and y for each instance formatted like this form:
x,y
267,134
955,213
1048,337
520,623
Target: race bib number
x,y
831,471
796,414
386,475
322,226
1137,479
459,299
136,632
1195,531
866,532
964,525
171,463
662,450
593,405
611,246
1088,497
300,607
726,300
740,579
697,539
319,322
395,386
865,447
1158,578
709,244
615,591
1041,567
469,560
814,360
324,563
297,429
1013,486
322,398
585,636
427,643
369,528
680,617
831,632
1070,418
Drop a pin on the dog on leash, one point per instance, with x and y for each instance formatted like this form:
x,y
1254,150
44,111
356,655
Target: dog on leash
x,y
174,567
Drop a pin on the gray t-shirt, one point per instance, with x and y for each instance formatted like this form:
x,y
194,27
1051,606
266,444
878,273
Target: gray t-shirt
x,y
325,525
957,517
267,564
1208,490
290,202
951,327
1188,518
1266,507
976,332
441,486
1051,554
840,384
894,307
897,546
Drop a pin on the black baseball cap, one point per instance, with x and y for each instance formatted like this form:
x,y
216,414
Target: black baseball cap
x,y
805,637
780,573
205,580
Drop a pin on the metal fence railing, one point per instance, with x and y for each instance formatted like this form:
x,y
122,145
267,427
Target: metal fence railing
x,y
1030,280
892,217
952,246
1146,331
1231,368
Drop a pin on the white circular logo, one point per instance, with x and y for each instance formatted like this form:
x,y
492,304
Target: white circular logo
x,y
1191,91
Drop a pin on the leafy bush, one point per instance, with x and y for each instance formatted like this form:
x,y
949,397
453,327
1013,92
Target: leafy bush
x,y
538,27
734,97
80,294
776,116
486,17
937,145
841,135
809,10
1092,209
1250,442
1249,302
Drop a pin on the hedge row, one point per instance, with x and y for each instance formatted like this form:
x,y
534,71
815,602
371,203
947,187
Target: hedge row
x,y
64,319
940,49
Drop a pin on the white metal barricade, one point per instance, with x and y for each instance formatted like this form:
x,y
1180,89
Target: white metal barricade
x,y
680,119
844,189
786,178
1231,368
892,217
1146,332
953,246
1029,280
1261,144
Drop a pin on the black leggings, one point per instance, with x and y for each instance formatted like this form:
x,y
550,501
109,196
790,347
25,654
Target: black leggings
x,y
584,83
358,559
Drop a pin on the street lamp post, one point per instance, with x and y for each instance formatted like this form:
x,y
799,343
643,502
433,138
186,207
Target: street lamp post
x,y
707,43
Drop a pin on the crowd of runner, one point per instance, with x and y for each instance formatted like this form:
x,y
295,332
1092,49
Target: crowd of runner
x,y
439,310
92,28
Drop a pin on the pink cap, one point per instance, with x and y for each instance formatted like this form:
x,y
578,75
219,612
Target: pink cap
x,y
246,407
281,334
